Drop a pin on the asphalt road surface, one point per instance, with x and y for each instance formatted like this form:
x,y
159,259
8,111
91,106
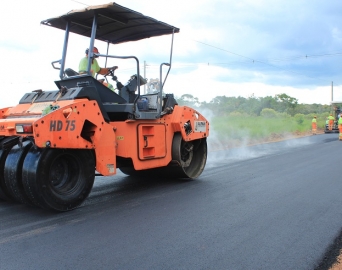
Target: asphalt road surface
x,y
271,206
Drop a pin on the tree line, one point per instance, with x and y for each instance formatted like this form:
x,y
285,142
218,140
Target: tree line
x,y
281,103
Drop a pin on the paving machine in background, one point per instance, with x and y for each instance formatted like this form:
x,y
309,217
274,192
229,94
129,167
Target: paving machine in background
x,y
336,110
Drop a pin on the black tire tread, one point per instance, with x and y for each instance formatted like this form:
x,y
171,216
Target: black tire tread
x,y
13,172
38,186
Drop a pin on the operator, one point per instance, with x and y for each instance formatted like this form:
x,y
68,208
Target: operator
x,y
340,127
314,125
94,68
331,121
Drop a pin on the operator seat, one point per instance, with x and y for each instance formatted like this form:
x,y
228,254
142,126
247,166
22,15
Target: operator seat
x,y
70,72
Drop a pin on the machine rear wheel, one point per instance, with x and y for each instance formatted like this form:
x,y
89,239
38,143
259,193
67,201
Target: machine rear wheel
x,y
191,156
188,161
58,179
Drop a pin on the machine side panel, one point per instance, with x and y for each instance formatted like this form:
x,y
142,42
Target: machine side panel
x,y
151,151
79,125
151,141
131,142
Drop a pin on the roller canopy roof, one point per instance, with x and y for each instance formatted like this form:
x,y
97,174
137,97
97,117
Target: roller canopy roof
x,y
115,24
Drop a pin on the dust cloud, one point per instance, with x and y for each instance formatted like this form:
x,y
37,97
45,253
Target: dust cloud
x,y
226,149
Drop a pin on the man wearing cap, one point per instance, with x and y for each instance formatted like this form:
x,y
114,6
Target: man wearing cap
x,y
314,125
94,68
331,121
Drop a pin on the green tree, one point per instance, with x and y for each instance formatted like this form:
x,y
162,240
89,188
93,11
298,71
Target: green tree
x,y
188,100
286,103
268,113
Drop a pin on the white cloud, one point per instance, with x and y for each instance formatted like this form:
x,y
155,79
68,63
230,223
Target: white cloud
x,y
260,30
337,34
203,83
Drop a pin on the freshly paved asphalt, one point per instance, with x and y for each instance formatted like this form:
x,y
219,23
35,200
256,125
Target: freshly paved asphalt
x,y
271,206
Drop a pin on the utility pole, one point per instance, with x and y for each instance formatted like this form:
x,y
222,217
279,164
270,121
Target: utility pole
x,y
332,92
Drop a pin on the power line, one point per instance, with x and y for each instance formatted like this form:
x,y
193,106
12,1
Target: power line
x,y
224,50
273,59
259,61
79,3
306,56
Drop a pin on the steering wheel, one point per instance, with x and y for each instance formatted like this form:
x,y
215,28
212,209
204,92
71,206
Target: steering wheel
x,y
111,72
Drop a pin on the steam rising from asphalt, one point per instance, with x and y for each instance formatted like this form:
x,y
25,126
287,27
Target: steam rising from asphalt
x,y
228,150
218,157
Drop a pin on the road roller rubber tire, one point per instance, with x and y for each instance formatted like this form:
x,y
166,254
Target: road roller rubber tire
x,y
191,156
4,193
13,172
58,179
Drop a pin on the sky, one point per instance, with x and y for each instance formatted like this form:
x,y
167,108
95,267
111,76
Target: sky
x,y
224,48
